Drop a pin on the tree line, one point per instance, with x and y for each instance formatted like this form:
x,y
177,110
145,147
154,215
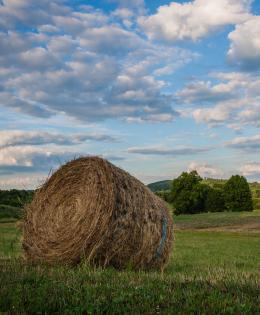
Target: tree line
x,y
188,194
15,198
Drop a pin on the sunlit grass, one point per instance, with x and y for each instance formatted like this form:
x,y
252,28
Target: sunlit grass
x,y
209,273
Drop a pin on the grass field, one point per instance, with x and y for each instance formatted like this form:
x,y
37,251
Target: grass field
x,y
214,269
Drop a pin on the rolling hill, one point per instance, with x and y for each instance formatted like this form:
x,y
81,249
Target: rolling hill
x,y
162,185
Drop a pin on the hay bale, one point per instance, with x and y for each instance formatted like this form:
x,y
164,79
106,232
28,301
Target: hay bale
x,y
90,209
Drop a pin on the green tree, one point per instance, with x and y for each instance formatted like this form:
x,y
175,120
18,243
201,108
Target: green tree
x,y
238,196
15,198
164,194
215,201
188,194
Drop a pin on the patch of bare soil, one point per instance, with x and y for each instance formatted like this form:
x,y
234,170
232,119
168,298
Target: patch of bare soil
x,y
252,227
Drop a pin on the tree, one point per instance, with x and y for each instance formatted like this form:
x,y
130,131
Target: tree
x,y
215,201
15,198
238,196
188,194
164,194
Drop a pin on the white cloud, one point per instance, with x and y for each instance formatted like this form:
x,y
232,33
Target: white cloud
x,y
244,49
22,105
22,182
205,92
212,116
74,22
47,28
159,150
75,62
234,100
24,138
12,42
38,57
250,169
62,44
24,159
13,11
251,143
194,20
110,39
250,115
206,170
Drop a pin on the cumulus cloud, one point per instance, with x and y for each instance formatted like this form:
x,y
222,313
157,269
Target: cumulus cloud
x,y
109,38
167,152
31,159
34,160
13,12
194,20
205,92
233,99
244,48
212,116
206,170
22,182
23,105
82,64
250,169
250,115
26,151
23,138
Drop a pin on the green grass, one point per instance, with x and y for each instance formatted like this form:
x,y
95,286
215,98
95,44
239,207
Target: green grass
x,y
210,272
9,239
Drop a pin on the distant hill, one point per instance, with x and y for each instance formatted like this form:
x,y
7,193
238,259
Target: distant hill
x,y
162,185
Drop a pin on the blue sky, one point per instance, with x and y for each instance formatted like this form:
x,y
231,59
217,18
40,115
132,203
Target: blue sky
x,y
156,87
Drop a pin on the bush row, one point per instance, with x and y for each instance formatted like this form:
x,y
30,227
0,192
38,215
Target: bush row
x,y
189,195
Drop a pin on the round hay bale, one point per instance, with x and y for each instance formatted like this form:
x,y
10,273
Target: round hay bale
x,y
92,210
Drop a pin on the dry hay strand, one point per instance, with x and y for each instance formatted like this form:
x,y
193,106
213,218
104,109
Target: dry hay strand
x,y
91,210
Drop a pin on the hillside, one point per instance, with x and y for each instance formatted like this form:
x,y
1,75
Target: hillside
x,y
162,185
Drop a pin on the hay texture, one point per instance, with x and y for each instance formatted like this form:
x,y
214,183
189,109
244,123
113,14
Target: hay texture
x,y
91,210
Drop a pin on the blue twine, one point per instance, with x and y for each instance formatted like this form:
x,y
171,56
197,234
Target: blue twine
x,y
163,238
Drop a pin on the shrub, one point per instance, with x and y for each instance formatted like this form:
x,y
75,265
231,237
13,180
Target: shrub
x,y
10,212
188,194
237,194
164,194
15,197
215,201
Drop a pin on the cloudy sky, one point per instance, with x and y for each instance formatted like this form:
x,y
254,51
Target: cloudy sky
x,y
156,87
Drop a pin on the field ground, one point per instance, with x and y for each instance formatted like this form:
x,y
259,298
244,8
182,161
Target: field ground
x,y
214,269
220,221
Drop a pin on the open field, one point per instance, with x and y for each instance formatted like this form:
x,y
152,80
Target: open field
x,y
211,271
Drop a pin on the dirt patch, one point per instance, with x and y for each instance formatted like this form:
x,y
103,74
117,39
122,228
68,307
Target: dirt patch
x,y
252,227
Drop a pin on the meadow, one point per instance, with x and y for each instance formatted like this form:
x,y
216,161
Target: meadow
x,y
214,269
